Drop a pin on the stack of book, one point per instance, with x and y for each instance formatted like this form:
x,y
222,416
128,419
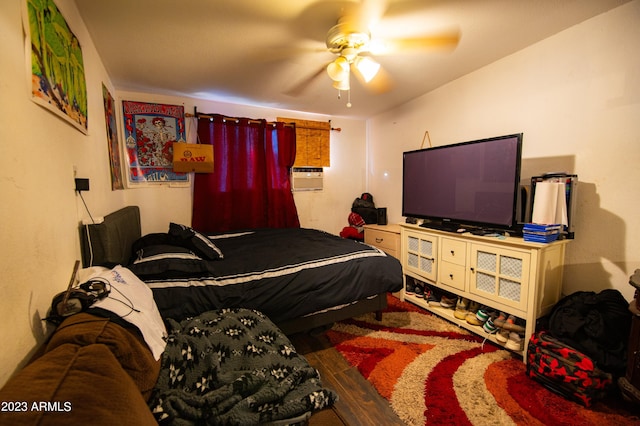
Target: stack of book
x,y
541,233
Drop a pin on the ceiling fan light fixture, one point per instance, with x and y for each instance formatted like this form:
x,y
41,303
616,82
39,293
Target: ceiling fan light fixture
x,y
338,70
367,67
342,85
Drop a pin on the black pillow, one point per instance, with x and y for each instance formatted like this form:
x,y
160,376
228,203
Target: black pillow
x,y
185,236
146,241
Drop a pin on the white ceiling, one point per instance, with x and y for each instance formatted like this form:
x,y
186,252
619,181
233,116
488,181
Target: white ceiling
x,y
261,52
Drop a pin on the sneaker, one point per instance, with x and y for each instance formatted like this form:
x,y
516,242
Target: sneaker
x,y
499,322
461,308
489,326
515,342
427,293
419,290
472,319
447,302
511,324
502,335
410,286
432,298
484,313
473,307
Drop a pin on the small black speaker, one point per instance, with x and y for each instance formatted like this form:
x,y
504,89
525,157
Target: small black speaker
x,y
382,216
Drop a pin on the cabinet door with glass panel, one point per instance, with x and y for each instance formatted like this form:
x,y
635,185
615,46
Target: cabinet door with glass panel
x,y
500,275
419,254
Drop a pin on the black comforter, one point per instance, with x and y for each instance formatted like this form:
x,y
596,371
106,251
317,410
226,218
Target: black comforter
x,y
284,273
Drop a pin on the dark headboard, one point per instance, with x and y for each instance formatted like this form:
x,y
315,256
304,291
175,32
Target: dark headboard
x,y
109,243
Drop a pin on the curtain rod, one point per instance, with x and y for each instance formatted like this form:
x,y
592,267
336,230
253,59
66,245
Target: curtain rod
x,y
273,123
235,119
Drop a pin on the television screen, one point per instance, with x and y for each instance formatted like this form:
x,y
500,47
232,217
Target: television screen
x,y
471,183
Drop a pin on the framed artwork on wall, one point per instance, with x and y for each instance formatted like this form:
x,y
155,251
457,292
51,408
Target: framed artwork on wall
x,y
115,165
149,133
55,65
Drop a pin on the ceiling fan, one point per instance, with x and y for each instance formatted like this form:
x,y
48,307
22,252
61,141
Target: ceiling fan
x,y
351,40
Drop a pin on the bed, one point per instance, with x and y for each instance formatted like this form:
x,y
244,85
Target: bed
x,y
182,328
184,333
299,278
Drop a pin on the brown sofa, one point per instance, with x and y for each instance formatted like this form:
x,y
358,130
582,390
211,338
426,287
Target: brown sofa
x,y
92,371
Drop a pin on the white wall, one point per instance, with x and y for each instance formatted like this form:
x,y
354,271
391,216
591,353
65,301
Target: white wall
x,y
576,98
41,213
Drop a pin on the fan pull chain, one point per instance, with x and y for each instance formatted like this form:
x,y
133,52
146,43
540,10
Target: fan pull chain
x,y
348,97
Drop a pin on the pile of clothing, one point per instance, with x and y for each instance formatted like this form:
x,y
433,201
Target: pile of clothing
x,y
363,211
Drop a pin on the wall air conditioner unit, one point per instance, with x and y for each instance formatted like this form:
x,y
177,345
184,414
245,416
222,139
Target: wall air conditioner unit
x,y
306,178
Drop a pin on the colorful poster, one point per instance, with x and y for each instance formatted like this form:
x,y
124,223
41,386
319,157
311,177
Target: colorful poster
x,y
56,68
115,165
149,132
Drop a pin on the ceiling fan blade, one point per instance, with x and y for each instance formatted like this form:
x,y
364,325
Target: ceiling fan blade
x,y
280,53
365,14
443,41
301,86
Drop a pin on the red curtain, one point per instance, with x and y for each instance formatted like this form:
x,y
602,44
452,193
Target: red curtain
x,y
250,186
280,143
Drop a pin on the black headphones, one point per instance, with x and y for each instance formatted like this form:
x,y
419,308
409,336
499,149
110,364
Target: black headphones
x,y
77,299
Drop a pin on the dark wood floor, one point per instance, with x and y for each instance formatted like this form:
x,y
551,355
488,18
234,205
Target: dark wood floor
x,y
359,403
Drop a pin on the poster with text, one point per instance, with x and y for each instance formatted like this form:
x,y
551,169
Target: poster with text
x,y
149,133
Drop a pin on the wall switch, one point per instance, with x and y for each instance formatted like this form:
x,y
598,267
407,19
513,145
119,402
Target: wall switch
x,y
82,184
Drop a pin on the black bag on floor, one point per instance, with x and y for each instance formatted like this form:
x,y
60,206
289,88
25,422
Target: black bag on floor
x,y
596,324
565,370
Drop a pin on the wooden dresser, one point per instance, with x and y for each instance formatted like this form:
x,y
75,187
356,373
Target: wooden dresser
x,y
385,237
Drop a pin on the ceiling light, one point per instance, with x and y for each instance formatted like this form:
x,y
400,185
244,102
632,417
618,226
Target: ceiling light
x,y
338,70
367,67
342,85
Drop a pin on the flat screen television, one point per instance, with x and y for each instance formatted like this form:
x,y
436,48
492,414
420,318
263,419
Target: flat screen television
x,y
471,185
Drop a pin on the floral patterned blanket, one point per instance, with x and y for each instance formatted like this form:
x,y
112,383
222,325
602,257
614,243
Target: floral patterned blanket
x,y
234,367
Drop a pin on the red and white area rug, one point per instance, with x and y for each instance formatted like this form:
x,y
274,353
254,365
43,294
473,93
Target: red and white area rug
x,y
433,372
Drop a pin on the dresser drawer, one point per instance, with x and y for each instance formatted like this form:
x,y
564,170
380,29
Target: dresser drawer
x,y
452,275
454,251
387,241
